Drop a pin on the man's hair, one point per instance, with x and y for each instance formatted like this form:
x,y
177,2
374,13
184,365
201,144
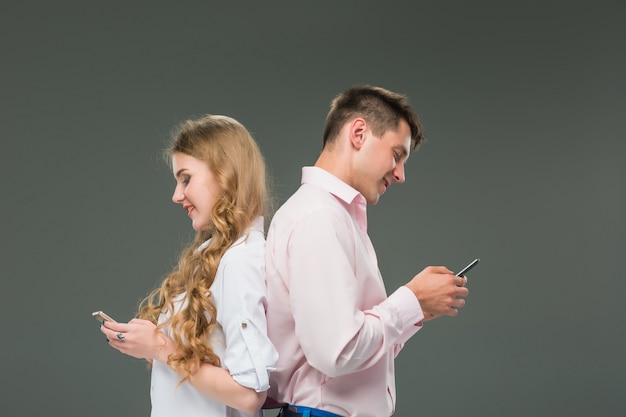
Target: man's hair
x,y
382,110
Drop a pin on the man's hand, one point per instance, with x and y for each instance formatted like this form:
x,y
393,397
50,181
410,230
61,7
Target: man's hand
x,y
439,291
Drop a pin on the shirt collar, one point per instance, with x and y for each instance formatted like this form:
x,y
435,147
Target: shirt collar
x,y
354,200
324,179
256,225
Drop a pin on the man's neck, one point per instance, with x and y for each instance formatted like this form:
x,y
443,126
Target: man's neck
x,y
336,164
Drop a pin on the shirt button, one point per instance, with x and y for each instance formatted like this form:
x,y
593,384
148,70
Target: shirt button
x,y
244,324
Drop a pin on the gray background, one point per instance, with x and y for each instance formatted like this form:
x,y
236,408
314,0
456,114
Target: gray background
x,y
523,104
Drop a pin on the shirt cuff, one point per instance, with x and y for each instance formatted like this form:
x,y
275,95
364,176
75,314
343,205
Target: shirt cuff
x,y
253,380
408,307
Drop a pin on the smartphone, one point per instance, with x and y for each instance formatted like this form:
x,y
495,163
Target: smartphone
x,y
102,316
468,267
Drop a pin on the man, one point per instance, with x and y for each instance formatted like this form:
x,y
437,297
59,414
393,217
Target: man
x,y
336,330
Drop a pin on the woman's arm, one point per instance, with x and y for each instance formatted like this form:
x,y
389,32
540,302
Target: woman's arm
x,y
217,383
141,339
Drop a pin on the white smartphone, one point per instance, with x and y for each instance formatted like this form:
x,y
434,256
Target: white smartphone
x,y
101,316
468,267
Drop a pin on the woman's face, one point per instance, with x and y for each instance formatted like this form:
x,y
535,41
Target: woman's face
x,y
196,190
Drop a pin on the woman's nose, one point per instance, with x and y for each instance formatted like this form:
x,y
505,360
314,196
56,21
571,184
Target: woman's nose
x,y
178,195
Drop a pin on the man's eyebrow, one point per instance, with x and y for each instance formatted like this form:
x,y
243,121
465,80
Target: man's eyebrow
x,y
403,151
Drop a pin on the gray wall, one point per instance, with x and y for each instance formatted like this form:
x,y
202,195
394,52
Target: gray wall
x,y
523,104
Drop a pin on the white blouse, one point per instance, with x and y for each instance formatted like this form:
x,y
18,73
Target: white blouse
x,y
239,339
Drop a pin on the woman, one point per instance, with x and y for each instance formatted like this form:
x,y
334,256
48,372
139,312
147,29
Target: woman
x,y
204,329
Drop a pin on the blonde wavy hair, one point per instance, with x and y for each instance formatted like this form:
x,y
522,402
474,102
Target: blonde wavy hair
x,y
235,160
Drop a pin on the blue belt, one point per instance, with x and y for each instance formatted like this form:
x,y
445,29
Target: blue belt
x,y
300,411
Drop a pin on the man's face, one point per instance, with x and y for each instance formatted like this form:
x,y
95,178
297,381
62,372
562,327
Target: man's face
x,y
381,160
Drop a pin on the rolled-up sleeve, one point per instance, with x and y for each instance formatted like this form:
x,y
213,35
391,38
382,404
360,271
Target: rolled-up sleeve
x,y
240,297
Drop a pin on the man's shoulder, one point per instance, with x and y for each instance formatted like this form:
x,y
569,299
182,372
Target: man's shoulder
x,y
309,202
306,199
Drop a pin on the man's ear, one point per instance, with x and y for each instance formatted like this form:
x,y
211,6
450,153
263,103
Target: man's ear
x,y
357,130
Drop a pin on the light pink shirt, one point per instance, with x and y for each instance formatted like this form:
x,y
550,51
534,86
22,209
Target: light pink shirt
x,y
336,331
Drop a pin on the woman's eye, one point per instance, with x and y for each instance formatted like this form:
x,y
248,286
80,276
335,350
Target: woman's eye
x,y
186,180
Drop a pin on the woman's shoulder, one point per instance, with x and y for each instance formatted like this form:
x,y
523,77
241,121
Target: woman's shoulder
x,y
249,246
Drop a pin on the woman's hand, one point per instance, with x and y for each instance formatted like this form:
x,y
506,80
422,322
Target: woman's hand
x,y
140,339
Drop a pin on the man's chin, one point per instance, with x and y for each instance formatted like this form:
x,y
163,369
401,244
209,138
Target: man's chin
x,y
373,201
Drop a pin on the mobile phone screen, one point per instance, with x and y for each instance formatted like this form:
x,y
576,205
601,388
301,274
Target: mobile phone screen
x,y
468,267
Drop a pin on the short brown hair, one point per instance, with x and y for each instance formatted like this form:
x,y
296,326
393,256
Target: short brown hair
x,y
382,110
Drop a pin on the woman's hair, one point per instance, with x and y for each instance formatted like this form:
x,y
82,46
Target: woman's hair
x,y
381,108
235,160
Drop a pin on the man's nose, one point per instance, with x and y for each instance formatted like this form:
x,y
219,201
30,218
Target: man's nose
x,y
398,173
